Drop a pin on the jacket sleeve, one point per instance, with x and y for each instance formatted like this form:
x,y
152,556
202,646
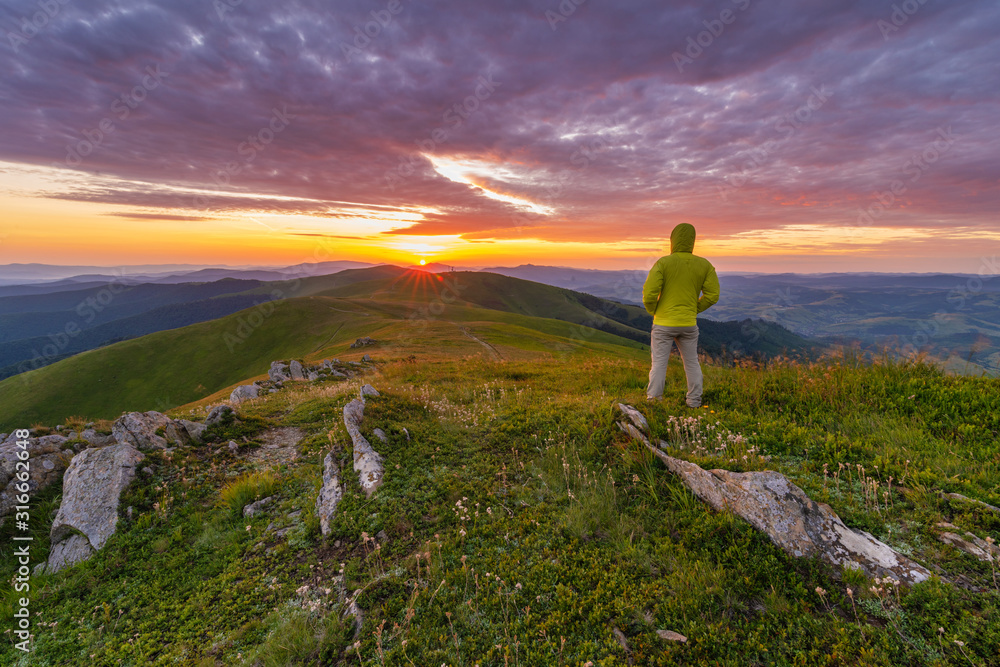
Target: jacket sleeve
x,y
709,290
652,288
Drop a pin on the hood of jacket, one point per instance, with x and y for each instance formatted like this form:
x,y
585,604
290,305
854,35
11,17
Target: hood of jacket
x,y
682,238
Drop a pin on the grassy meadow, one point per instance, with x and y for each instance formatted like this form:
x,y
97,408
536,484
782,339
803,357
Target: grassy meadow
x,y
517,524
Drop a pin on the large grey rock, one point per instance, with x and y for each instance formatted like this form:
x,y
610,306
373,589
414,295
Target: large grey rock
x,y
330,494
278,372
367,462
47,458
801,527
74,549
244,393
92,489
794,522
220,414
139,429
296,370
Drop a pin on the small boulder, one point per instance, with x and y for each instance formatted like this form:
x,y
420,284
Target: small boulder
x,y
367,462
244,392
296,370
313,375
362,342
220,414
233,447
258,507
278,372
337,374
368,390
329,495
139,429
195,430
367,358
975,546
380,434
97,439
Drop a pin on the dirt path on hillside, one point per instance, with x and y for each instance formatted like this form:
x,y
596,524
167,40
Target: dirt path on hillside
x,y
496,355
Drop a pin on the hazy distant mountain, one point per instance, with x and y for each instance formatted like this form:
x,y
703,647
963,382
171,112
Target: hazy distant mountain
x,y
50,274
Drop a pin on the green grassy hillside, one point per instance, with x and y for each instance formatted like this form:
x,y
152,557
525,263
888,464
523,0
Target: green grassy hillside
x,y
406,309
517,525
170,368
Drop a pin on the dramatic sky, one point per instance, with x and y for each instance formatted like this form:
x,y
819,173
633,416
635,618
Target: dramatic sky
x,y
799,135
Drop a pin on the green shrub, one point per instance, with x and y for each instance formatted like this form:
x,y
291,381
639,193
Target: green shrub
x,y
246,489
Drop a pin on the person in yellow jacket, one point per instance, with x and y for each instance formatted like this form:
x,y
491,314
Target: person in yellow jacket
x,y
678,287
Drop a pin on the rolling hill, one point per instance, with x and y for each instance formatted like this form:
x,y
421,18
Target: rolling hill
x,y
475,313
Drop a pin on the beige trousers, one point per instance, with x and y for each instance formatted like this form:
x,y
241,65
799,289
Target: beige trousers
x,y
662,340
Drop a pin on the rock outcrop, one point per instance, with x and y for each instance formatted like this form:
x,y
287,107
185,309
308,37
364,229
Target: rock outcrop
x,y
362,342
48,457
330,494
974,546
244,393
278,372
92,489
769,502
367,462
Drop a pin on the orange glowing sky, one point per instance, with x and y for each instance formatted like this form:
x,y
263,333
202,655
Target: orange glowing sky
x,y
479,136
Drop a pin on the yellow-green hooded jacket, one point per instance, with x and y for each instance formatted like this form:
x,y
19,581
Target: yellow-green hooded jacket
x,y
672,289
